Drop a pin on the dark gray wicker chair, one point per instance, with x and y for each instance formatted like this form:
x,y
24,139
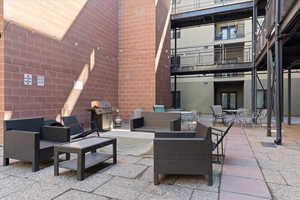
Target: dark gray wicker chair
x,y
183,153
156,121
76,128
30,141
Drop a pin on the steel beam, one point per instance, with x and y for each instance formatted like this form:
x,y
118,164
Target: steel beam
x,y
269,90
289,96
176,66
279,78
254,71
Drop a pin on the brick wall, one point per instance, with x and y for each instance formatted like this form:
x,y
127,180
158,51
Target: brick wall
x,y
136,55
1,71
87,52
141,85
163,46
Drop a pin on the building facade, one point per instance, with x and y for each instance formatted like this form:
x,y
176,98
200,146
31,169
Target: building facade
x,y
214,45
60,56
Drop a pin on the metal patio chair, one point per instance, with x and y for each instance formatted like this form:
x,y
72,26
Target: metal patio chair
x,y
218,113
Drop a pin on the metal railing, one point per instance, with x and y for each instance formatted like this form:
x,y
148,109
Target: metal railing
x,y
229,75
180,6
211,55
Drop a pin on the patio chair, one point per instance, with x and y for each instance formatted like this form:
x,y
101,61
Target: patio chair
x,y
218,143
218,113
30,140
183,152
262,116
76,128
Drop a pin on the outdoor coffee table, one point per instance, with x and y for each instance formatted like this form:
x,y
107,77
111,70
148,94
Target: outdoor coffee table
x,y
84,159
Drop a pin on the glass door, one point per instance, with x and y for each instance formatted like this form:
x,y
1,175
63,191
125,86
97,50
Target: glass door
x,y
224,97
229,100
232,100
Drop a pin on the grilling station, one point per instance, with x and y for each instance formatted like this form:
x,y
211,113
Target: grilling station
x,y
101,115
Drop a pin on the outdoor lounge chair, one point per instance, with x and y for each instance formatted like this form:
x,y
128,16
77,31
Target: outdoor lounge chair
x,y
183,153
218,143
29,140
218,113
156,121
76,128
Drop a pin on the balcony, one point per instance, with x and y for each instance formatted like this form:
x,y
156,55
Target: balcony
x,y
224,57
186,6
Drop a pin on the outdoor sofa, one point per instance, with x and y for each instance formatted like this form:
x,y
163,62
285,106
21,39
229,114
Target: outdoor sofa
x,y
29,140
183,153
156,121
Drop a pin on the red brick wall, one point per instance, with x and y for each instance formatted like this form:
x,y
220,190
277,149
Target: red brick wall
x,y
163,85
1,71
136,55
61,62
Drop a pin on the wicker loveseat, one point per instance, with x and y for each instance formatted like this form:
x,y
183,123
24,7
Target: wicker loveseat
x,y
30,140
156,121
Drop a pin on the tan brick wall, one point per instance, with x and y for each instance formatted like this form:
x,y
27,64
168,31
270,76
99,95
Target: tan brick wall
x,y
136,55
87,52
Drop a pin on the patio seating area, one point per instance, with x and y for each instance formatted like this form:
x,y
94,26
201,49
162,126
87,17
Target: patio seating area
x,y
149,100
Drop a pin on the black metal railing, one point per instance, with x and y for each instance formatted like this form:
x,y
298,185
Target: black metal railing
x,y
180,6
211,55
229,75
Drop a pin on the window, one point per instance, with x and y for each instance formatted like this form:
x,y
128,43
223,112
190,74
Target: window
x,y
178,34
232,32
227,32
261,100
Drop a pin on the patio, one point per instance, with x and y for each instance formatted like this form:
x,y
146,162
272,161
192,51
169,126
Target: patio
x,y
250,171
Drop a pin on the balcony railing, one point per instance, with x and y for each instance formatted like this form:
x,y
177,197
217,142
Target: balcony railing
x,y
229,75
196,5
211,55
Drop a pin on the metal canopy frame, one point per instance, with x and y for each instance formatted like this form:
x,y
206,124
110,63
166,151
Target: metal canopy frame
x,y
280,50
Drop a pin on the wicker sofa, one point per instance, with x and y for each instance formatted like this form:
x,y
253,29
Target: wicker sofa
x,y
156,121
30,140
183,153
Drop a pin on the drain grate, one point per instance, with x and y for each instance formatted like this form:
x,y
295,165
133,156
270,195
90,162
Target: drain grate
x,y
268,144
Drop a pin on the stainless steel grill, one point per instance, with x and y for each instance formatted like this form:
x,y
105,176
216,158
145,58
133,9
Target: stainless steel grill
x,y
101,115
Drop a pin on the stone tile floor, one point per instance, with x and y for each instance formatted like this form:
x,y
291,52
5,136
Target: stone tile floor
x,y
280,164
130,179
250,172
